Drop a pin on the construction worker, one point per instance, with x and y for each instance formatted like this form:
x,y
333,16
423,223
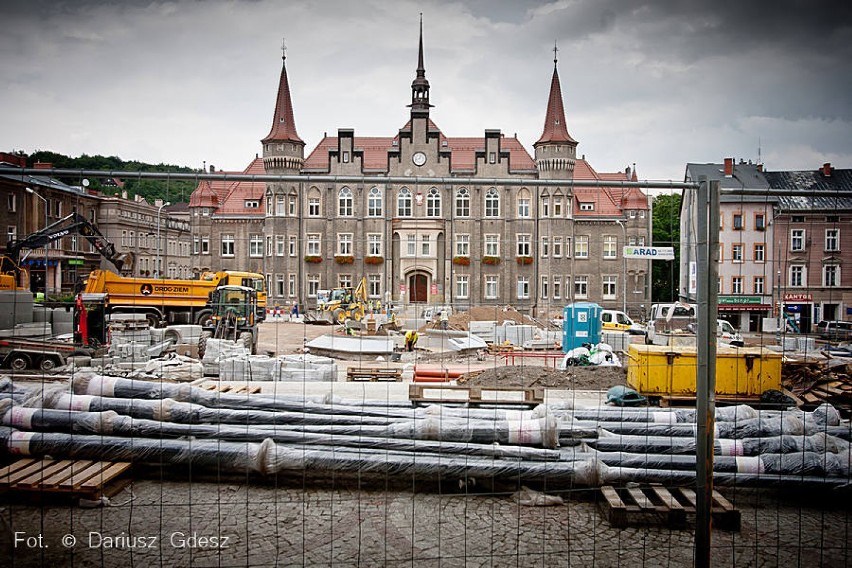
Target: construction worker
x,y
445,319
410,340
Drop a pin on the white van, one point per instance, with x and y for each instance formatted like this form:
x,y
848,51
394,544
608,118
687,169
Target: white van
x,y
613,320
680,317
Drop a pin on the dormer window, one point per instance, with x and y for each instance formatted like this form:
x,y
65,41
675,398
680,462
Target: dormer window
x,y
587,206
345,157
252,204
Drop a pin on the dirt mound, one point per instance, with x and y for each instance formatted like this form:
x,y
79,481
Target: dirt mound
x,y
460,321
580,378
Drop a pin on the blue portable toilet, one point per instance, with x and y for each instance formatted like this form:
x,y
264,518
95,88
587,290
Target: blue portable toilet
x,y
581,323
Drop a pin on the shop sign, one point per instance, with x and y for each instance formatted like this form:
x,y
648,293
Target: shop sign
x,y
76,261
649,253
728,300
798,298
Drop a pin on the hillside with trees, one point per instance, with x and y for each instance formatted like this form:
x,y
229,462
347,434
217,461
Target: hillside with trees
x,y
175,191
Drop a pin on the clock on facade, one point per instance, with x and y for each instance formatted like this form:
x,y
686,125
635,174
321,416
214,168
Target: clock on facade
x,y
419,158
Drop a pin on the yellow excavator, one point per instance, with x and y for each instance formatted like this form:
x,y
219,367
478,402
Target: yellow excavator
x,y
345,304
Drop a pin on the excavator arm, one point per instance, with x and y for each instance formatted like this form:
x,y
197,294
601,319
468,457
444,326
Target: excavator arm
x,y
70,224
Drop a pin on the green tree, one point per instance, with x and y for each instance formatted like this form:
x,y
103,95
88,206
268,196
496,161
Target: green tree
x,y
665,273
175,191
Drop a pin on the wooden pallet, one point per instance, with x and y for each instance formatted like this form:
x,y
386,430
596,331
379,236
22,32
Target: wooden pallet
x,y
231,389
653,503
475,395
373,374
690,401
81,478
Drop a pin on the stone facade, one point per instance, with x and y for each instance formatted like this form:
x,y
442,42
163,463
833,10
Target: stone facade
x,y
536,247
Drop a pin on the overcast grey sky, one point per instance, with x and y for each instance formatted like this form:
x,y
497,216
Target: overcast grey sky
x,y
659,83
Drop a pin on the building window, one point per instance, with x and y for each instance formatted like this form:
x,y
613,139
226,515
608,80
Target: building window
x,y
12,203
581,286
797,276
374,286
462,245
292,247
205,245
255,246
557,288
759,222
490,287
758,285
425,245
557,247
462,286
543,292
737,252
374,202
492,203
523,288
830,275
344,202
609,287
227,245
313,207
251,204
313,285
291,206
433,203
587,206
832,240
403,203
581,247
463,203
374,244
524,204
797,239
344,280
205,211
196,245
797,219
279,245
545,247
279,285
738,222
610,246
557,206
344,244
279,205
269,246
545,207
291,285
492,157
411,245
759,252
492,245
737,285
313,247
524,245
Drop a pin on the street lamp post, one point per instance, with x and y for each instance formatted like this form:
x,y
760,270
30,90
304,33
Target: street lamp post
x,y
31,191
623,266
159,268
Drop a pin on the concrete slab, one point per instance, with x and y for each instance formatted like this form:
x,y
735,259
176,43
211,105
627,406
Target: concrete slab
x,y
365,345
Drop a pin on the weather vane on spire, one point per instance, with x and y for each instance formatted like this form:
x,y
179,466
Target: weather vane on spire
x,y
555,49
283,48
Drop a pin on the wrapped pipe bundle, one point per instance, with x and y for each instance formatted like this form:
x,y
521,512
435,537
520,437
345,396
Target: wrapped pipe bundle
x,y
623,475
659,415
269,458
112,423
784,444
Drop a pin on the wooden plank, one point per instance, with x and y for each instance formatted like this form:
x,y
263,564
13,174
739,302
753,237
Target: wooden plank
x,y
20,464
106,475
47,470
23,473
81,476
59,477
640,498
614,507
666,497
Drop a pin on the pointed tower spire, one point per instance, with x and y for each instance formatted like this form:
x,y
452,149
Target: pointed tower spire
x,y
555,129
283,123
420,86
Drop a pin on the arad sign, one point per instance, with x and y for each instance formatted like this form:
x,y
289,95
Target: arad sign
x,y
649,253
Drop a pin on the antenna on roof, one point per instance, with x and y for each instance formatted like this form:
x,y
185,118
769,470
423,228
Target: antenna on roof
x,y
759,160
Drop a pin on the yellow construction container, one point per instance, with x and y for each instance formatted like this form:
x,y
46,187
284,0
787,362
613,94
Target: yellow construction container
x,y
740,372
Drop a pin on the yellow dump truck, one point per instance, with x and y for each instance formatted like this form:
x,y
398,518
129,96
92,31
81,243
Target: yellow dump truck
x,y
171,301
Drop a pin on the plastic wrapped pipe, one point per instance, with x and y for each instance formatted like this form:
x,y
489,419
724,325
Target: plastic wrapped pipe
x,y
184,412
621,475
269,458
722,446
112,423
660,415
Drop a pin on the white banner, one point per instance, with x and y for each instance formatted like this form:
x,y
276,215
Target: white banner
x,y
650,253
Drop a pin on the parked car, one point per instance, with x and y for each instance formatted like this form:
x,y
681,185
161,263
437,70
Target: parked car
x,y
835,330
613,320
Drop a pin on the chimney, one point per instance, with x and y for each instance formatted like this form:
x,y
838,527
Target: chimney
x,y
760,167
212,169
729,167
43,165
826,169
124,194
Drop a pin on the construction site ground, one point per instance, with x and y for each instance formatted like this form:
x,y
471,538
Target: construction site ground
x,y
174,516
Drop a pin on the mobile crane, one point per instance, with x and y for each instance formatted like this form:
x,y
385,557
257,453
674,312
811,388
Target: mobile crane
x,y
13,277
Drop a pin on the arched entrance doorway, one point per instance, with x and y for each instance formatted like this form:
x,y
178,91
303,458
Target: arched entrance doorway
x,y
418,287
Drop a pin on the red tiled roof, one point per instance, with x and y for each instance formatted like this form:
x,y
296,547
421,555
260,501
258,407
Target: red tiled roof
x,y
229,196
609,201
555,129
283,121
